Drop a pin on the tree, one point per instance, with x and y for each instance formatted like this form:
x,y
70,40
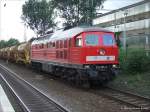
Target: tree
x,y
12,42
77,12
38,15
8,43
2,44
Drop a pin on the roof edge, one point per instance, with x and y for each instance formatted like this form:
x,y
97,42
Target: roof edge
x,y
123,8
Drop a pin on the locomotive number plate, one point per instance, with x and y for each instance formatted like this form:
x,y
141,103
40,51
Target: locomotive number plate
x,y
100,58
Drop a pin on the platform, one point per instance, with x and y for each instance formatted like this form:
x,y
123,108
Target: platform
x,y
5,105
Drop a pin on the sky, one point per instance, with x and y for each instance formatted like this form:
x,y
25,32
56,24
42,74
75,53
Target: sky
x,y
11,25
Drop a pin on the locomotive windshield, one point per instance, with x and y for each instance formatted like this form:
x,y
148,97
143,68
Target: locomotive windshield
x,y
95,39
92,40
108,40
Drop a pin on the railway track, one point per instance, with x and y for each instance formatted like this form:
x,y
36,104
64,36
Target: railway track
x,y
32,99
134,101
29,97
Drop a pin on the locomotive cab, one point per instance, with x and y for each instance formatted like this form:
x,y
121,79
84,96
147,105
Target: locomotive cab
x,y
99,53
97,48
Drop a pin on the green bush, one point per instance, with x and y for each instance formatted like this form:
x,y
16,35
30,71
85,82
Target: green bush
x,y
134,61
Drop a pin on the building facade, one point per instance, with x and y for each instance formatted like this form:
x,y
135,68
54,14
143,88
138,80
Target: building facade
x,y
132,20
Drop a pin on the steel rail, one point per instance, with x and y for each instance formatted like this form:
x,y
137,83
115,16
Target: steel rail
x,y
130,99
139,101
130,93
31,98
24,107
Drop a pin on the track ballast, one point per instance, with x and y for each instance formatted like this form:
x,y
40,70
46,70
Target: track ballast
x,y
29,97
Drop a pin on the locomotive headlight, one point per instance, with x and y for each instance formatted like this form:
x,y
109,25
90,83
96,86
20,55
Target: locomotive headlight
x,y
87,66
102,52
114,66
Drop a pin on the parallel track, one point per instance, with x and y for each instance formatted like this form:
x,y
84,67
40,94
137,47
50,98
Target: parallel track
x,y
30,98
130,99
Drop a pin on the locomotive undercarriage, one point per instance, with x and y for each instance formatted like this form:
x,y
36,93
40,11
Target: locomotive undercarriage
x,y
83,77
101,74
94,75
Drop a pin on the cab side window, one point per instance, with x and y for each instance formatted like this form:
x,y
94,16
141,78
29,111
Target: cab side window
x,y
78,41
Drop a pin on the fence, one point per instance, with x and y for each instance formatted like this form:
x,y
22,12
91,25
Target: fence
x,y
137,42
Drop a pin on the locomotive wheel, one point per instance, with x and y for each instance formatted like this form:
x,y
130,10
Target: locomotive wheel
x,y
81,80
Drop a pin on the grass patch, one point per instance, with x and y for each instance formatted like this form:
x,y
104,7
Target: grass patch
x,y
138,83
134,61
135,72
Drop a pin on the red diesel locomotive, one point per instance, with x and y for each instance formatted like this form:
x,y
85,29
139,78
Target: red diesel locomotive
x,y
83,55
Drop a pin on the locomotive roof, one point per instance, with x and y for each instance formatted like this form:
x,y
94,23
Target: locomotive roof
x,y
61,34
41,39
75,31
